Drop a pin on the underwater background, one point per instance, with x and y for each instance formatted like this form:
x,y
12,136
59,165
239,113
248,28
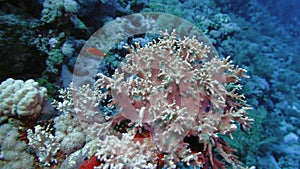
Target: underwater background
x,y
41,40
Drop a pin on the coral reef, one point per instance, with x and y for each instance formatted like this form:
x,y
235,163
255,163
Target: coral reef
x,y
67,136
17,34
173,90
40,40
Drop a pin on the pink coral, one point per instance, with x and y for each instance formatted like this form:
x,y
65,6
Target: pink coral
x,y
174,90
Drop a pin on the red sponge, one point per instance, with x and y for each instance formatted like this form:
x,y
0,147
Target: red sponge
x,y
90,163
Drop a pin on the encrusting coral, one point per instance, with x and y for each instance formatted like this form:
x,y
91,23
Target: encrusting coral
x,y
14,153
177,101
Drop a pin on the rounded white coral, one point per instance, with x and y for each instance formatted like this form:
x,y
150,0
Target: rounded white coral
x,y
19,98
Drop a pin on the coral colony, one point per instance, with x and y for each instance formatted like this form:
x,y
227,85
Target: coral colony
x,y
174,103
165,102
172,106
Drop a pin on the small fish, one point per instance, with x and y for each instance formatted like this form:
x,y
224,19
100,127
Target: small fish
x,y
95,52
245,28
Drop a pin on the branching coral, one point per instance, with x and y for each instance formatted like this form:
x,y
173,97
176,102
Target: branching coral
x,y
174,90
120,153
82,102
43,143
79,106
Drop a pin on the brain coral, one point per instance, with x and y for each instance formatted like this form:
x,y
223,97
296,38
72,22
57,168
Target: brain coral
x,y
20,99
178,101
